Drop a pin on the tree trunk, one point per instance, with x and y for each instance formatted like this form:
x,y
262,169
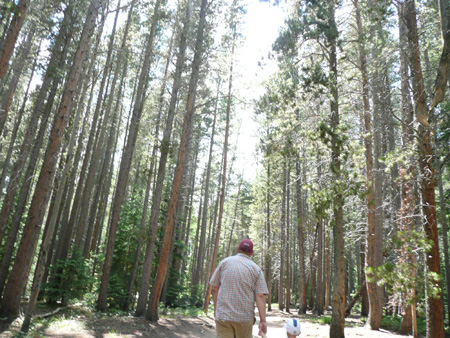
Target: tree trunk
x,y
375,311
141,235
327,268
200,259
17,122
288,263
319,290
126,159
16,282
84,245
152,312
338,315
268,234
12,86
7,46
444,226
40,110
435,313
408,202
224,176
189,217
301,242
282,239
165,144
65,234
234,218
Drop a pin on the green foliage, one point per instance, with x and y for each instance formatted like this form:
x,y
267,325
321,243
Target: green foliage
x,y
351,183
71,280
196,296
325,320
190,311
392,323
400,277
125,250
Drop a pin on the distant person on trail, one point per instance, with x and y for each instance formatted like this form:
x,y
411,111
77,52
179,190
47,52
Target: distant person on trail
x,y
293,328
238,282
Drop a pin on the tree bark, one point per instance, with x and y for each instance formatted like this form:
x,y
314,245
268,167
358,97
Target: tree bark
x,y
40,110
288,263
65,234
152,312
126,159
268,234
224,175
319,290
301,242
69,225
435,313
18,67
338,315
80,242
7,46
375,311
200,259
16,282
282,239
165,144
17,122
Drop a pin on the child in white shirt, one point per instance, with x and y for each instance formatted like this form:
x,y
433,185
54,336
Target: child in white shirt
x,y
292,328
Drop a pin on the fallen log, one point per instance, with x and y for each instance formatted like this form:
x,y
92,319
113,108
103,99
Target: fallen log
x,y
355,299
49,314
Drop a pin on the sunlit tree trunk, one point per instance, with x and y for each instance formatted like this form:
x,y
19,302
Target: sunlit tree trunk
x,y
80,243
301,242
338,315
152,312
125,163
18,66
282,239
165,147
7,46
375,311
268,234
17,122
200,259
68,222
288,223
319,289
224,173
11,301
41,110
435,315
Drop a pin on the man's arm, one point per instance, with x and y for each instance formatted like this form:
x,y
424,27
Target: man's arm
x,y
261,304
215,293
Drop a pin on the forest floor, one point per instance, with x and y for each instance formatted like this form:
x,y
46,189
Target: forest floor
x,y
78,322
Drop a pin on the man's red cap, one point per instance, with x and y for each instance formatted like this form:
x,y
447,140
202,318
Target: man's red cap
x,y
246,245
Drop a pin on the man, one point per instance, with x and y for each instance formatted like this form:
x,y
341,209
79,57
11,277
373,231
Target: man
x,y
238,282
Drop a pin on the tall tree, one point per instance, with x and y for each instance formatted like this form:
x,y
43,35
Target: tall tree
x,y
127,156
301,241
19,274
8,44
435,313
223,184
338,315
152,311
41,111
164,153
375,311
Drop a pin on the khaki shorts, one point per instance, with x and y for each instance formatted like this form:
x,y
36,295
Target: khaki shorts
x,y
233,329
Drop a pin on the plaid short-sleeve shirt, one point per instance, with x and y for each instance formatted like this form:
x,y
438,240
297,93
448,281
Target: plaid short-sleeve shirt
x,y
239,280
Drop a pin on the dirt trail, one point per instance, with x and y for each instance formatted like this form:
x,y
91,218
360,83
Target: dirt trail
x,y
94,325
